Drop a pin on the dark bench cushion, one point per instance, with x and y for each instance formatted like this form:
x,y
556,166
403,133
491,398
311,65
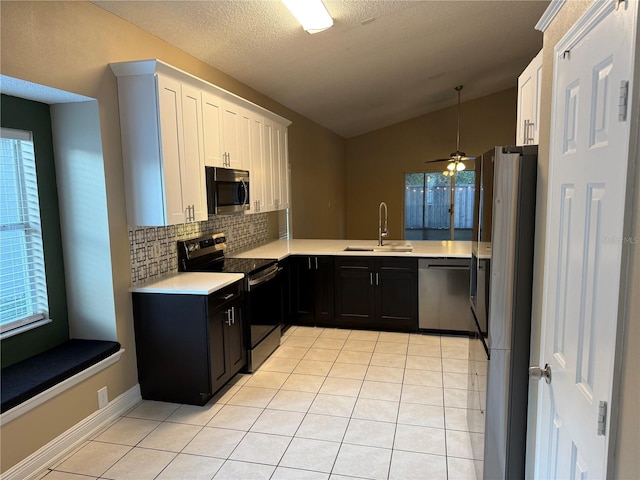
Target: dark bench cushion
x,y
24,380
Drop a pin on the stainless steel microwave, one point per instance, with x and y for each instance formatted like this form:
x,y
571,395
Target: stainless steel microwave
x,y
227,190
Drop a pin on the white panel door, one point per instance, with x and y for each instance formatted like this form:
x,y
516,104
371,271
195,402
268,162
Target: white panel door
x,y
585,219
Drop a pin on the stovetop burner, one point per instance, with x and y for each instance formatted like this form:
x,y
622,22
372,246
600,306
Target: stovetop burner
x,y
206,254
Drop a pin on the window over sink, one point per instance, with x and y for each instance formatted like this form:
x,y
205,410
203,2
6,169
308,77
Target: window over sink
x,y
427,205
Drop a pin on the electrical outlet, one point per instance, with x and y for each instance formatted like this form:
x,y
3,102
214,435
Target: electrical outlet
x,y
103,397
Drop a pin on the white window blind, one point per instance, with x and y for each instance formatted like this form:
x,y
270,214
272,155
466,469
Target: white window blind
x,y
23,284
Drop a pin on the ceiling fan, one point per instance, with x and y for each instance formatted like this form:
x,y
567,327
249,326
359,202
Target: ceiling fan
x,y
457,158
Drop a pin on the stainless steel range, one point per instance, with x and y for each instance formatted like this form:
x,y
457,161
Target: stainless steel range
x,y
262,286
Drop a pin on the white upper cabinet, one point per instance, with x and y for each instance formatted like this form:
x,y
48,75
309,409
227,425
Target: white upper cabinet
x,y
223,133
529,85
164,168
276,166
214,153
283,165
257,171
271,177
173,125
231,128
193,178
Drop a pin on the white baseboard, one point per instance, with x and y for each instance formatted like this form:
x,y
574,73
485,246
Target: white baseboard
x,y
64,443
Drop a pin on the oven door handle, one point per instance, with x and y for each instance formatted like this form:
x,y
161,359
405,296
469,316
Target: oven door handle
x,y
270,274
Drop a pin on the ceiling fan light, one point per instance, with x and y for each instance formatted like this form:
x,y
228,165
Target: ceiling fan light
x,y
451,167
460,166
312,14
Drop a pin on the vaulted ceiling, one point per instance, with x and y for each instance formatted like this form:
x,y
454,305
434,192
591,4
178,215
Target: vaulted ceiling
x,y
383,61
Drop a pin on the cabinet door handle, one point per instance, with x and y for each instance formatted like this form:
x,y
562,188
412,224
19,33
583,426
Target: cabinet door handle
x,y
227,296
309,263
316,263
233,315
377,278
528,138
371,278
228,321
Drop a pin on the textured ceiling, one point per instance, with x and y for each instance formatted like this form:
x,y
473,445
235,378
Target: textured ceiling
x,y
381,63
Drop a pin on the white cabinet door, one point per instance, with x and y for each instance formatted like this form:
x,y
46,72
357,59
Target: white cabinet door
x,y
283,165
257,174
271,182
170,123
528,117
192,162
223,134
214,154
231,131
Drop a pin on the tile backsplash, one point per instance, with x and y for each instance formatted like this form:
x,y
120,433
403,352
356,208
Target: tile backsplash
x,y
153,251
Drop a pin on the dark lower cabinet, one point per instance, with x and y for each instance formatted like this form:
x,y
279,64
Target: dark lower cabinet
x,y
312,290
376,293
188,346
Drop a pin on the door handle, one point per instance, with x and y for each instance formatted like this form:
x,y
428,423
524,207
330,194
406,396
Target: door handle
x,y
536,373
316,263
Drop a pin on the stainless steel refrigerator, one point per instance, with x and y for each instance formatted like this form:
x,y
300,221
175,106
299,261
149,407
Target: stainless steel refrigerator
x,y
500,297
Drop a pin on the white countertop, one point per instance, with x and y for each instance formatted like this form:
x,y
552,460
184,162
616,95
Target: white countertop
x,y
186,283
280,249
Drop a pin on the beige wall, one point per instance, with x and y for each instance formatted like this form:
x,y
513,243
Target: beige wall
x,y
626,463
377,161
68,45
318,184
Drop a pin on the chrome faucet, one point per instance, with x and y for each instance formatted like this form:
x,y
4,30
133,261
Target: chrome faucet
x,y
382,232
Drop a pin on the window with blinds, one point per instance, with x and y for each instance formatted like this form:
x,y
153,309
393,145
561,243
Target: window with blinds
x,y
23,285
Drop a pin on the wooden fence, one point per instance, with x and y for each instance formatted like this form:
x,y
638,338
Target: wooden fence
x,y
431,210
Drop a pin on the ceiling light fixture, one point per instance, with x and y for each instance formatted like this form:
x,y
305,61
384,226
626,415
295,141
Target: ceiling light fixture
x,y
457,158
312,14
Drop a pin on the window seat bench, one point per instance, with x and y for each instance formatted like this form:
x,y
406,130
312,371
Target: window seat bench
x,y
26,379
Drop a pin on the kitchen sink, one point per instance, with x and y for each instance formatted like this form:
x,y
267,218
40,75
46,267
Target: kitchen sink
x,y
389,247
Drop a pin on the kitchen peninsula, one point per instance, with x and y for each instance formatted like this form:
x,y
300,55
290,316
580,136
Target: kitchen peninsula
x,y
361,285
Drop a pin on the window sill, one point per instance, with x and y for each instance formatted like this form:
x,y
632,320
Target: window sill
x,y
24,328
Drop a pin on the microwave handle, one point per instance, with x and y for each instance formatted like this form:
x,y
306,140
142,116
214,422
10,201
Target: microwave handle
x,y
245,200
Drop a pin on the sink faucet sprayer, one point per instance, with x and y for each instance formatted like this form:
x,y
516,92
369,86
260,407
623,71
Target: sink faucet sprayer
x,y
382,233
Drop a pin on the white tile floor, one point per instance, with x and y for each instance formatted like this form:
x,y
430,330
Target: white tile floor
x,y
329,404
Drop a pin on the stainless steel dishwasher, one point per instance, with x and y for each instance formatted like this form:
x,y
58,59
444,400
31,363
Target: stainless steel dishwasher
x,y
444,294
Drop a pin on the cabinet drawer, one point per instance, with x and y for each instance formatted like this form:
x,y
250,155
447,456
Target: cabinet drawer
x,y
398,264
356,263
224,296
